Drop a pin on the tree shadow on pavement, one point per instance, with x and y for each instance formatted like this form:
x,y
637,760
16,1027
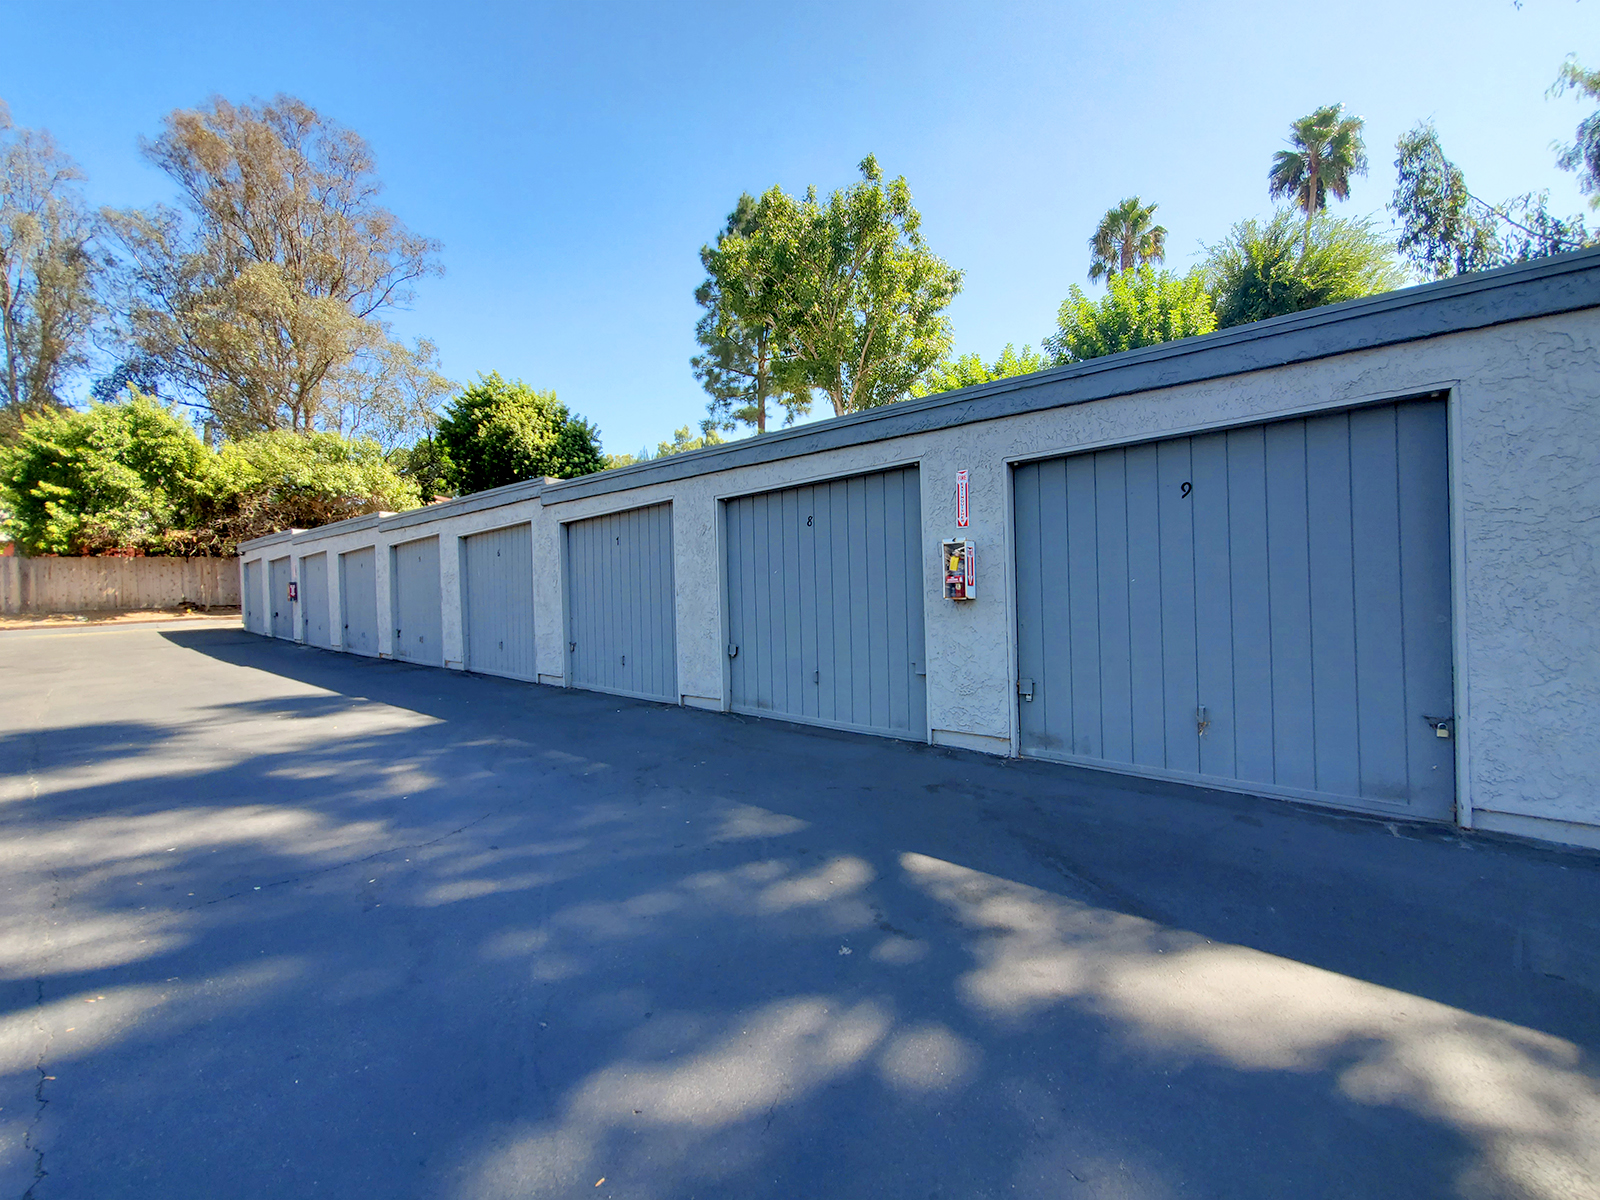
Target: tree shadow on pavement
x,y
348,926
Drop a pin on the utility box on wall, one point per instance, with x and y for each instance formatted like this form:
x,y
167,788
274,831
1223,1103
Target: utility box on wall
x,y
960,560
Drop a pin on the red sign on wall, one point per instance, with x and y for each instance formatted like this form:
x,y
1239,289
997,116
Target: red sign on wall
x,y
961,499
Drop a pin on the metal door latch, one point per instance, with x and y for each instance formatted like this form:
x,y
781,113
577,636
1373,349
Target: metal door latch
x,y
1442,726
1025,688
733,651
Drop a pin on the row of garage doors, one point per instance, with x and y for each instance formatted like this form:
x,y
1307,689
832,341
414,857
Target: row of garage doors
x,y
497,601
824,604
1266,607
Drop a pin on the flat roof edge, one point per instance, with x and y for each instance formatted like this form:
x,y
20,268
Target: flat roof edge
x,y
460,506
269,539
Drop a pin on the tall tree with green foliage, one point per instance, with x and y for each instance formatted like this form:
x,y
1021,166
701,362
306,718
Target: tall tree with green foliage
x,y
1127,238
50,271
1446,230
501,431
263,300
1142,307
970,369
1283,265
1326,148
740,357
853,296
121,476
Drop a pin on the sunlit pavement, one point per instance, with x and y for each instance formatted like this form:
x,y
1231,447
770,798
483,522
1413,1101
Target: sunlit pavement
x,y
280,923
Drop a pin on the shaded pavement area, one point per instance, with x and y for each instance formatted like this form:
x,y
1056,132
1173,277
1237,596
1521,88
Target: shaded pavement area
x,y
277,922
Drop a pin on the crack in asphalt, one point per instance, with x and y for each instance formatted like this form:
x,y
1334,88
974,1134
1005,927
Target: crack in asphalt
x,y
30,1139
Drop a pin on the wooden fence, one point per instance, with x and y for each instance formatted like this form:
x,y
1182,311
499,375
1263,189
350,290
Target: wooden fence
x,y
70,585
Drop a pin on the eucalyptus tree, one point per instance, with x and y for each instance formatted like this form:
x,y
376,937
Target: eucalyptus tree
x,y
853,296
1582,154
1126,238
1447,230
1326,149
264,297
50,272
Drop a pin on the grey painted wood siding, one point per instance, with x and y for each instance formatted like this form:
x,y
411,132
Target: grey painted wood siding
x,y
497,601
1291,579
251,601
314,600
621,634
825,603
278,603
418,617
358,600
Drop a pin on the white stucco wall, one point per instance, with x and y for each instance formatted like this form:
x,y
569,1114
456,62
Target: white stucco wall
x,y
1525,482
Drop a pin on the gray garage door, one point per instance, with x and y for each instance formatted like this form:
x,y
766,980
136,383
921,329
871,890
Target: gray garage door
x,y
620,612
418,623
314,600
825,604
497,601
278,603
358,601
1268,606
252,597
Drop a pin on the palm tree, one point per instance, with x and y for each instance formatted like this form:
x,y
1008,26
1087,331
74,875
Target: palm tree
x,y
1327,150
1126,239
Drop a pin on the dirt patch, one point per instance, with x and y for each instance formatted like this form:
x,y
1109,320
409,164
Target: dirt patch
x,y
119,616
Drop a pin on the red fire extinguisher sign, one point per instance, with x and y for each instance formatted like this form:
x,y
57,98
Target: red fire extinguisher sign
x,y
961,499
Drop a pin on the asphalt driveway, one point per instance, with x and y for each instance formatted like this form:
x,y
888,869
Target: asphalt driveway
x,y
276,922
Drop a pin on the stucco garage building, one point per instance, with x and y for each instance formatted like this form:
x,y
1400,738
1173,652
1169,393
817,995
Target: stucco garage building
x,y
1347,557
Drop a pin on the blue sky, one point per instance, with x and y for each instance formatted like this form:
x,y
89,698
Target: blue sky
x,y
573,158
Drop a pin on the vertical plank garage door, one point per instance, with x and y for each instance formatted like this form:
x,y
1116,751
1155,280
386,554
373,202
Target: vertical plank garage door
x,y
825,604
278,603
418,620
252,597
620,611
358,601
314,600
1267,606
497,601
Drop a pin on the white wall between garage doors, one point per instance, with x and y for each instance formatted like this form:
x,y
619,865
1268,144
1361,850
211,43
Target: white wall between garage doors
x,y
1523,428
